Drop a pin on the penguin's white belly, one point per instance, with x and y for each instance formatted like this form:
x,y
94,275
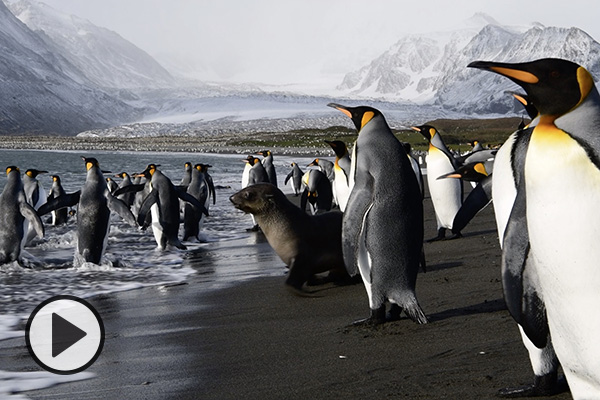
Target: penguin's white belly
x,y
563,216
445,193
364,258
503,186
157,229
342,189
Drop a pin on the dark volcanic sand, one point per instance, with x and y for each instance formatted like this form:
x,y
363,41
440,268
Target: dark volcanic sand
x,y
256,340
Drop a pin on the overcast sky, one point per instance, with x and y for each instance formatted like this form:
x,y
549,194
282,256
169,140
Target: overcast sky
x,y
245,40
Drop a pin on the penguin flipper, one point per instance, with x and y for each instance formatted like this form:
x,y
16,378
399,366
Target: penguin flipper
x,y
211,189
521,297
148,202
129,189
34,219
287,178
304,199
119,206
193,201
476,201
359,203
67,200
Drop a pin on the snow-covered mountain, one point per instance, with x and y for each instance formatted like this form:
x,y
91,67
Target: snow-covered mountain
x,y
101,55
40,91
431,68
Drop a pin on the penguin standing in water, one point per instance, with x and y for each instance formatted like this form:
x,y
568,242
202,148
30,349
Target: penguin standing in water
x,y
341,170
193,217
15,213
35,195
163,204
61,215
296,178
127,198
209,182
267,162
446,194
382,228
550,276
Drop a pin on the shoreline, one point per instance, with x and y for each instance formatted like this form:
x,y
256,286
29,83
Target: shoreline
x,y
254,339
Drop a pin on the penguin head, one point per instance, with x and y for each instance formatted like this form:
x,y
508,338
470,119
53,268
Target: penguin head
x,y
55,178
264,153
360,115
473,172
314,163
32,173
122,175
204,167
198,167
554,86
12,168
90,163
339,147
188,166
150,170
427,131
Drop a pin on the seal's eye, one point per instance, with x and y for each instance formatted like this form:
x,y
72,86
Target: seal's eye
x,y
248,195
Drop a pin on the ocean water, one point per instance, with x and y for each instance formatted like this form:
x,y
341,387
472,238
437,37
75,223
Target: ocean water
x,y
132,259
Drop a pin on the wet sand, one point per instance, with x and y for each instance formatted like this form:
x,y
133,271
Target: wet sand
x,y
256,340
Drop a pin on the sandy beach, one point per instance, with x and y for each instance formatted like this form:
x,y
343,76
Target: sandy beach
x,y
256,340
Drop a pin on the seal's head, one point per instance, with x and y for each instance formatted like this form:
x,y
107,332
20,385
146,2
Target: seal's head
x,y
256,199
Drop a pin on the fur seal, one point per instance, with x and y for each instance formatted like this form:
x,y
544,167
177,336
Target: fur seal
x,y
307,244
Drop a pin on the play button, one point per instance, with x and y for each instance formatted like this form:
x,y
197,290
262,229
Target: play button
x,y
64,334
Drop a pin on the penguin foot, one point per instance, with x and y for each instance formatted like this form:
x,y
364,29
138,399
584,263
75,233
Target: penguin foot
x,y
440,236
457,235
546,385
394,313
255,228
377,318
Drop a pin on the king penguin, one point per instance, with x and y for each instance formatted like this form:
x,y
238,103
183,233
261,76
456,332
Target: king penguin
x,y
127,198
550,276
61,215
382,227
267,162
446,194
15,213
193,218
35,195
341,169
296,178
163,204
317,192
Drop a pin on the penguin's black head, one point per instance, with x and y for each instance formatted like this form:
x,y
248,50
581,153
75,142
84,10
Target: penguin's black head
x,y
554,86
360,115
12,168
264,153
472,172
314,163
339,147
198,167
187,165
122,175
427,131
55,178
90,162
32,173
204,167
150,170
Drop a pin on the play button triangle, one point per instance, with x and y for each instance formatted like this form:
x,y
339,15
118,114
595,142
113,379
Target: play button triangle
x,y
64,334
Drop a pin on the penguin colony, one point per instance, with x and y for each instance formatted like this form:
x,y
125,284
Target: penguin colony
x,y
550,277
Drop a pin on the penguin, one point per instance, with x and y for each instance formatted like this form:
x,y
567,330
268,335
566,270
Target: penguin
x,y
341,170
550,277
296,178
267,162
382,227
35,195
257,173
111,184
193,217
209,181
14,212
325,166
127,198
317,192
415,166
187,174
163,204
446,194
93,214
61,215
